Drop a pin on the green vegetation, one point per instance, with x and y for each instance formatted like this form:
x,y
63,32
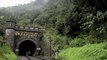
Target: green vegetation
x,y
70,24
87,52
6,52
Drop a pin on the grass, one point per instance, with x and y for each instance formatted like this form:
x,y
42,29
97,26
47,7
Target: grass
x,y
6,52
87,52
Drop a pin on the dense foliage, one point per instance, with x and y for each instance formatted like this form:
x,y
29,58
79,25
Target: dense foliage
x,y
6,52
2,26
73,17
87,52
68,23
74,23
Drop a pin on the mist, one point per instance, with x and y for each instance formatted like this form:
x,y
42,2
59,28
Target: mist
x,y
36,5
9,3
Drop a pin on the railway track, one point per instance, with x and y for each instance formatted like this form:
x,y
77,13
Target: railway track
x,y
27,58
23,58
32,58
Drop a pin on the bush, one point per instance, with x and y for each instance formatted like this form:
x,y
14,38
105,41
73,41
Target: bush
x,y
87,52
6,52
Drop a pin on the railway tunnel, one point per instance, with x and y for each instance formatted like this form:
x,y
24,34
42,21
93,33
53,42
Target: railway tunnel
x,y
27,47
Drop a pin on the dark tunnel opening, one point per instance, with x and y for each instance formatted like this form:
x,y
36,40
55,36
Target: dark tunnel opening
x,y
27,48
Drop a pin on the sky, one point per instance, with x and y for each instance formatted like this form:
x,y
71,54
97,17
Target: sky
x,y
6,3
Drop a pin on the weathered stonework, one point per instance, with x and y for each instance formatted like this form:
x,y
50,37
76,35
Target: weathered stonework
x,y
15,35
9,37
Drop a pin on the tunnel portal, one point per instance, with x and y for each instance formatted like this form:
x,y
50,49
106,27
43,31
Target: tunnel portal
x,y
27,48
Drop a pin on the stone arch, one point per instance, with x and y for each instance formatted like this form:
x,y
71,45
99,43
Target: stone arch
x,y
27,40
27,46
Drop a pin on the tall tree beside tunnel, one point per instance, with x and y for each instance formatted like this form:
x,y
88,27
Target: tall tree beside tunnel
x,y
2,24
98,4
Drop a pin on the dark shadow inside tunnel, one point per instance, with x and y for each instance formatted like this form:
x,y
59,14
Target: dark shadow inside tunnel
x,y
27,48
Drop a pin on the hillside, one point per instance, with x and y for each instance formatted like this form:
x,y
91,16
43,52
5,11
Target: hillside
x,y
70,24
20,9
